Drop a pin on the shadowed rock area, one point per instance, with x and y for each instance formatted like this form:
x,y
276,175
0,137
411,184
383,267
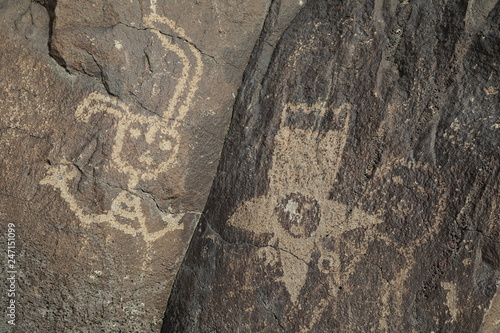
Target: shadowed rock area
x,y
358,188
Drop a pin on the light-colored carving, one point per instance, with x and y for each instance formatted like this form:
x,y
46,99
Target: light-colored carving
x,y
491,319
144,146
451,300
467,133
306,163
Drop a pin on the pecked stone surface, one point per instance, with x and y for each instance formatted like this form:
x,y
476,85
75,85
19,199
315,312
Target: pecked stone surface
x,y
112,120
359,187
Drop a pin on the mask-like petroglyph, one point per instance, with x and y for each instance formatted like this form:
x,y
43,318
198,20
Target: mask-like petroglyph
x,y
143,147
297,210
307,230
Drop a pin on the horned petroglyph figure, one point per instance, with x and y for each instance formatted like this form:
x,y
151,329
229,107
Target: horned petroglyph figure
x,y
144,145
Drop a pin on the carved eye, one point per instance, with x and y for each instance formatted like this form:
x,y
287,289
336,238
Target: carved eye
x,y
299,214
164,140
135,132
165,145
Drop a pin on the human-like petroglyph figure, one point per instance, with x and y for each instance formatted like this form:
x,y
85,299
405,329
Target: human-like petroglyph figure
x,y
144,146
308,231
297,210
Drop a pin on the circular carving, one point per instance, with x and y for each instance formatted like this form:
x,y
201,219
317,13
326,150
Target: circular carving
x,y
298,214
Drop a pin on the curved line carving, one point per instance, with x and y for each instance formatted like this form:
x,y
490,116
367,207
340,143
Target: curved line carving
x,y
126,213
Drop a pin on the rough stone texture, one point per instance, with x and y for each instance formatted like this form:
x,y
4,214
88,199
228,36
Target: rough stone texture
x,y
359,187
112,119
491,321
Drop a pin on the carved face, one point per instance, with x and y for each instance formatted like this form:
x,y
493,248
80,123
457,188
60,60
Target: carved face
x,y
296,211
144,144
143,147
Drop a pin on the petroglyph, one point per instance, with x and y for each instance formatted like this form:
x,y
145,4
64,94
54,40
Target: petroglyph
x,y
126,205
451,299
143,147
466,133
296,210
304,222
491,320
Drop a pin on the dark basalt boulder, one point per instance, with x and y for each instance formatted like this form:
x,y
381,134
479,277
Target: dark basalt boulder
x,y
358,188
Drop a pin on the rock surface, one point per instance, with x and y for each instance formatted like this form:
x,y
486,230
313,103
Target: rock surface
x,y
112,119
359,187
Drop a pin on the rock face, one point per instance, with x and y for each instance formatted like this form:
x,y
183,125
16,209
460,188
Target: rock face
x,y
112,120
359,187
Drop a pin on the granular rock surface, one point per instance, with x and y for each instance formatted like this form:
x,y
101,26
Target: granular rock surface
x,y
358,188
112,120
